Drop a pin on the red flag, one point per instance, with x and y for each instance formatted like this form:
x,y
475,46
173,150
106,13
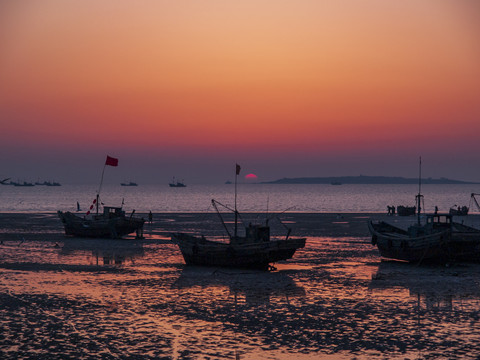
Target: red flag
x,y
238,169
111,161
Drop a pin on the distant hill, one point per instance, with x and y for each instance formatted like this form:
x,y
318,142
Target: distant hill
x,y
365,180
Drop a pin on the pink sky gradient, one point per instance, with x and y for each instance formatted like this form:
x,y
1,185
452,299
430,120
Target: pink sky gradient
x,y
286,88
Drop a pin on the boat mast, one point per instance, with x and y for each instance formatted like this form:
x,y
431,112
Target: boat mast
x,y
111,162
237,171
419,196
100,187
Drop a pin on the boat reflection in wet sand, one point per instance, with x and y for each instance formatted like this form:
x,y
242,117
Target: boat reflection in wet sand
x,y
253,250
252,287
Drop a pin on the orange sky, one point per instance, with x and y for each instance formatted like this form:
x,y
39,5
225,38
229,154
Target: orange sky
x,y
254,81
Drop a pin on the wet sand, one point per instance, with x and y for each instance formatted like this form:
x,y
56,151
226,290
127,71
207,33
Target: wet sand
x,y
47,226
135,299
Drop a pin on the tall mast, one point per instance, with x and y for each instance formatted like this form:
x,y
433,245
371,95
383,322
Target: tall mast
x,y
419,196
237,171
100,187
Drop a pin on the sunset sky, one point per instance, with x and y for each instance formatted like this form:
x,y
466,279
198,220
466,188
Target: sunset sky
x,y
284,88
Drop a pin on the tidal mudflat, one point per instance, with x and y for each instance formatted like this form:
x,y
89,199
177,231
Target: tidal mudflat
x,y
135,299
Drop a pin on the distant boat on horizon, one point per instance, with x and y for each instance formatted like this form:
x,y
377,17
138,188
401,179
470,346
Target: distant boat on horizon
x,y
176,183
48,183
21,184
131,183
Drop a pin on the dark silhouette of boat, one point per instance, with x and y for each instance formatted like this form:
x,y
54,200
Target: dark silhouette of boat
x,y
22,184
176,183
48,183
458,211
406,210
131,183
4,182
416,244
112,223
254,249
463,210
439,239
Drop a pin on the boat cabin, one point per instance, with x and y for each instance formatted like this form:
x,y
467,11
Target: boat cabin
x,y
434,223
113,212
253,234
439,220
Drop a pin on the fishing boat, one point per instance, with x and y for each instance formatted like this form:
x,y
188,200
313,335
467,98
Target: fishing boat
x,y
176,183
417,243
405,210
130,183
28,184
438,239
463,210
254,249
111,223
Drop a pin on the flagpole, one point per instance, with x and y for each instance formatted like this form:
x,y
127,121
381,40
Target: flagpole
x,y
100,187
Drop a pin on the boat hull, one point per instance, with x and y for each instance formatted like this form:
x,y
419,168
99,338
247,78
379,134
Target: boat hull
x,y
113,228
257,255
395,243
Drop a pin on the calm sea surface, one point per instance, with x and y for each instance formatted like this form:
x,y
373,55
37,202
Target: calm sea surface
x,y
251,197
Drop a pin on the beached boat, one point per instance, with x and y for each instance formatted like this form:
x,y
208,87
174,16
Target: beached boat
x,y
439,238
112,223
463,210
458,211
417,243
255,249
405,210
176,183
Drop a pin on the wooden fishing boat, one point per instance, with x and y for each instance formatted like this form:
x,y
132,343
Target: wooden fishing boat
x,y
418,243
438,239
458,211
405,210
253,250
112,223
130,183
176,183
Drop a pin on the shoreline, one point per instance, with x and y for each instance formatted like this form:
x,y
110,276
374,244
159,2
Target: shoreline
x,y
46,226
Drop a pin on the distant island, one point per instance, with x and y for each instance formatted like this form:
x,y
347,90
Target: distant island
x,y
338,180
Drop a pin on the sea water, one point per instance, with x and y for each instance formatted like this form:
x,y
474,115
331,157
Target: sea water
x,y
321,198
